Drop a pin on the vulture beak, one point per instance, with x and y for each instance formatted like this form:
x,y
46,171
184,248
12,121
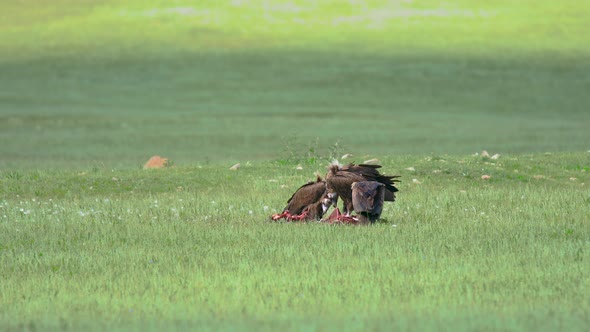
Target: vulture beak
x,y
326,203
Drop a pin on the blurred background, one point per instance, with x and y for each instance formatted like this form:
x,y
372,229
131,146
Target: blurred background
x,y
111,83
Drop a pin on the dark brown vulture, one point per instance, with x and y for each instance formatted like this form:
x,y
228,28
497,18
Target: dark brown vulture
x,y
339,181
367,200
309,202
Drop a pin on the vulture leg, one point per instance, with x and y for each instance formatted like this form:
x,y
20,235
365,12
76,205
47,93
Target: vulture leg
x,y
348,208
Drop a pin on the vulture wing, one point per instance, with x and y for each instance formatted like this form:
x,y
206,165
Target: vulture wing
x,y
341,183
309,193
370,173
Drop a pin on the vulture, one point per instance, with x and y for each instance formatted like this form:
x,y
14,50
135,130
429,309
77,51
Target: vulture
x,y
340,179
309,202
367,200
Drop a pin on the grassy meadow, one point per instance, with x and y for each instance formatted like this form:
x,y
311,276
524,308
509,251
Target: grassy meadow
x,y
190,247
89,90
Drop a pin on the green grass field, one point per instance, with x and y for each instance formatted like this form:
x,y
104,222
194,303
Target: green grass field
x,y
89,90
192,248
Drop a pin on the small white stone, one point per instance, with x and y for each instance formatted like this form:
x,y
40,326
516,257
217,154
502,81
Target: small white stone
x,y
346,156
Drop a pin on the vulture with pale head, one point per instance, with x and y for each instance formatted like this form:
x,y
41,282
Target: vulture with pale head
x,y
340,180
309,202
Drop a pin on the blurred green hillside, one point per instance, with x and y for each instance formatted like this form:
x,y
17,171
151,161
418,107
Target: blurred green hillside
x,y
114,82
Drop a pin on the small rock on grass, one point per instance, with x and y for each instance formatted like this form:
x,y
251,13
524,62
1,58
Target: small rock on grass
x,y
348,155
156,162
371,161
